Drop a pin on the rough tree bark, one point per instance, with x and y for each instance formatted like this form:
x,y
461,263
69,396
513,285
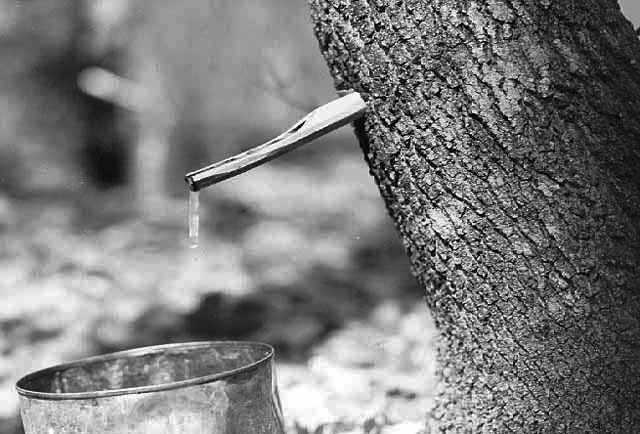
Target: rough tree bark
x,y
505,138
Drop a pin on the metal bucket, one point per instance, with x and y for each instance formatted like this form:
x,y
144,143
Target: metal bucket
x,y
200,387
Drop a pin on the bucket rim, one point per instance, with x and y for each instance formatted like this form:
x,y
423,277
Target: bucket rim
x,y
137,352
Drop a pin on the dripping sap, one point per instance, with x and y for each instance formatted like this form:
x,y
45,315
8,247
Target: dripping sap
x,y
194,218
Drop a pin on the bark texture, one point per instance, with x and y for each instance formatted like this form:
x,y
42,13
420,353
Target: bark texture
x,y
505,138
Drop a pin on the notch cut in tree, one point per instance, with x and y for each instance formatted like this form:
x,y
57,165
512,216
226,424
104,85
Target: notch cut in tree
x,y
505,139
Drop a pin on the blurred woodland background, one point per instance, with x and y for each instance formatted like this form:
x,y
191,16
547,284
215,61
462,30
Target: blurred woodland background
x,y
104,106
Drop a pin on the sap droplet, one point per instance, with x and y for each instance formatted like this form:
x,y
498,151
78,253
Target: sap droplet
x,y
194,218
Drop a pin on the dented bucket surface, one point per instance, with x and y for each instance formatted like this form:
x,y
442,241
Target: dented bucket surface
x,y
189,388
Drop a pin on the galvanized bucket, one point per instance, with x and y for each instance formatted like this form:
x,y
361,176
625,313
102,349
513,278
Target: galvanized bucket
x,y
190,388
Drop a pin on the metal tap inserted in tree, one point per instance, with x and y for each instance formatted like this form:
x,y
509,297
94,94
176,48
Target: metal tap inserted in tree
x,y
319,122
189,388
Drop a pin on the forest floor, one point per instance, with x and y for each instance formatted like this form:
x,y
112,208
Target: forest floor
x,y
301,258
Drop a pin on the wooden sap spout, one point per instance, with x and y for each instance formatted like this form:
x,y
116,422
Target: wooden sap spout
x,y
319,122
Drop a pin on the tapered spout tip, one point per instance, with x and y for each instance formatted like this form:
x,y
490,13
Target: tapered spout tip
x,y
192,184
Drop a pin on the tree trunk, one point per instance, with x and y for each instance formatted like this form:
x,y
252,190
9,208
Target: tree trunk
x,y
106,146
505,138
44,116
